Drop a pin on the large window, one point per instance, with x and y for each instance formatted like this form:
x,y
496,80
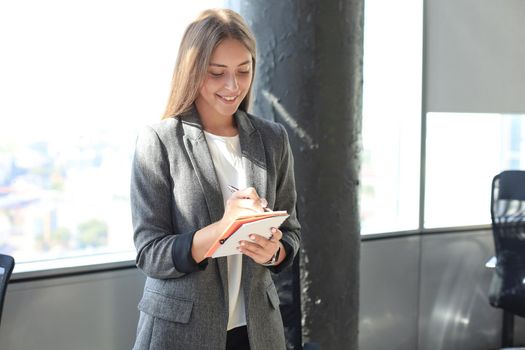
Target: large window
x,y
464,152
77,81
389,198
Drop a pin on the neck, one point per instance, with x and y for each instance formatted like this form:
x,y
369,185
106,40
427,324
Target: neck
x,y
221,125
220,130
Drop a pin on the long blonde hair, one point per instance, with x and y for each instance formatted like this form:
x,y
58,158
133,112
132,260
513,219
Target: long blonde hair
x,y
200,39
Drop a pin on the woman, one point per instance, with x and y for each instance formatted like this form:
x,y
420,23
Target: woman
x,y
183,171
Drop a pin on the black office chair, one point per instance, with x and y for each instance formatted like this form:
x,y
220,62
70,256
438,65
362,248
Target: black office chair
x,y
507,289
7,264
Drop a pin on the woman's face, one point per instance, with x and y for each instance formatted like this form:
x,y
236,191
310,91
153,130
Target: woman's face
x,y
227,81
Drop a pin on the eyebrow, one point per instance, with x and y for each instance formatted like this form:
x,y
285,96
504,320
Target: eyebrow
x,y
225,66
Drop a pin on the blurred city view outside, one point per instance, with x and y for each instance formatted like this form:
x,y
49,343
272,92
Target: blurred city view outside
x,y
59,197
77,81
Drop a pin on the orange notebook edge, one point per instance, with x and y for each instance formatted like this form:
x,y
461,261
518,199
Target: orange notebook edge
x,y
237,223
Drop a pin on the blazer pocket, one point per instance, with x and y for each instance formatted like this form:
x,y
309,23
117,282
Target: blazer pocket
x,y
273,296
165,307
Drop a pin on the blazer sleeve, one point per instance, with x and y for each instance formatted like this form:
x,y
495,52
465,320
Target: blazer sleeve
x,y
286,199
160,252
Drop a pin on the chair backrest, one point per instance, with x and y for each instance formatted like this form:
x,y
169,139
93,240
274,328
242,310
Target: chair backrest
x,y
507,290
508,214
7,264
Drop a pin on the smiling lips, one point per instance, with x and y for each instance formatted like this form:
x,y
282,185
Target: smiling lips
x,y
228,99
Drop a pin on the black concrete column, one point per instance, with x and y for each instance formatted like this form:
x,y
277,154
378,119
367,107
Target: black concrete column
x,y
309,78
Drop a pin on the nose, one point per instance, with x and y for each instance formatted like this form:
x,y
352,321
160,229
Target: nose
x,y
231,82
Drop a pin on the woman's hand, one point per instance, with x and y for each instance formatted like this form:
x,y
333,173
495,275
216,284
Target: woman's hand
x,y
245,202
241,203
262,249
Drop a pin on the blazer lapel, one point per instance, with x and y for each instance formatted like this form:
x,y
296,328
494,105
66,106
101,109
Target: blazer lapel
x,y
200,158
254,161
253,157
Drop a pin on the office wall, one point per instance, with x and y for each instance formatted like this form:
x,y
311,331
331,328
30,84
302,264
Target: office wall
x,y
425,292
436,302
389,287
87,312
453,305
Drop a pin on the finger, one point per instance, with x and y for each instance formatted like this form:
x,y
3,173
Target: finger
x,y
259,204
252,247
277,235
255,257
245,203
254,205
249,192
265,251
256,252
253,250
260,240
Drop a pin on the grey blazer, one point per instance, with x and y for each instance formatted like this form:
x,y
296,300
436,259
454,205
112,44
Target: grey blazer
x,y
175,192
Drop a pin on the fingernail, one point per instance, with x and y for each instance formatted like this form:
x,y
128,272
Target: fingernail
x,y
264,202
252,237
274,230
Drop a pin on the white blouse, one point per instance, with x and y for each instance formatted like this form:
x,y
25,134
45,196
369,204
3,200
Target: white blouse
x,y
227,160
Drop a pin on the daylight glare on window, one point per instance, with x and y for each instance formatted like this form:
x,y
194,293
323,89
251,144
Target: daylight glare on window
x,y
389,195
464,152
77,81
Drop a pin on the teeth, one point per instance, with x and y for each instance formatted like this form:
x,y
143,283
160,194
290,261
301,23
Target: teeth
x,y
229,98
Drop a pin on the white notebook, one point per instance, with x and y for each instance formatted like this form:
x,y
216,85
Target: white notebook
x,y
261,227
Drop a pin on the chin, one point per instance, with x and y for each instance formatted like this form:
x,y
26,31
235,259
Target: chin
x,y
227,111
